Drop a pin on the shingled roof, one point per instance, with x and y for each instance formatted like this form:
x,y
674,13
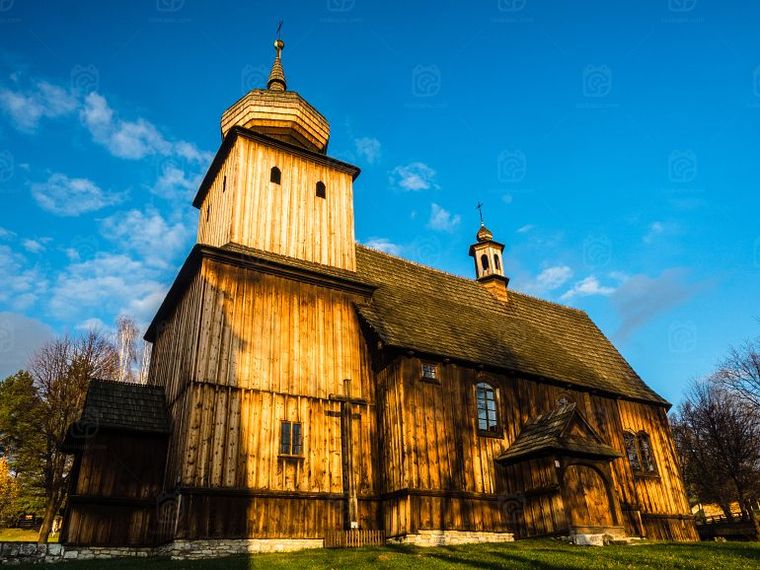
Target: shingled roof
x,y
550,432
429,311
125,406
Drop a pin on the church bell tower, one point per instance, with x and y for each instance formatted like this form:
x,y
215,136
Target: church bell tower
x,y
272,186
489,266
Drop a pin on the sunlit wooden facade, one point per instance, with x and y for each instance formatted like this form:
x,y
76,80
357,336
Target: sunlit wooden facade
x,y
313,385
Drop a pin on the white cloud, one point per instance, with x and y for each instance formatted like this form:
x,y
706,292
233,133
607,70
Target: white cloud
x,y
66,196
413,177
368,148
125,139
525,229
551,278
175,183
6,234
442,220
655,229
586,288
148,234
25,109
131,139
107,285
35,245
22,285
659,229
383,244
92,324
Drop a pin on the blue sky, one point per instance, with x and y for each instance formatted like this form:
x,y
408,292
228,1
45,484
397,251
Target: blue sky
x,y
614,145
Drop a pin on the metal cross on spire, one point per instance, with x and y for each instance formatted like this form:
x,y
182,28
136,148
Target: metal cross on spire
x,y
479,208
279,28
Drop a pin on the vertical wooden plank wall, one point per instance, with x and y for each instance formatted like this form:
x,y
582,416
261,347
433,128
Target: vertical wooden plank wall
x,y
440,450
267,349
286,218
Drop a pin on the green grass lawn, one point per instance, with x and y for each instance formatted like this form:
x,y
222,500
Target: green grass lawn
x,y
20,535
530,554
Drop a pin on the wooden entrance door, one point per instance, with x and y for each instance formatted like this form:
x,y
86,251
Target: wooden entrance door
x,y
587,500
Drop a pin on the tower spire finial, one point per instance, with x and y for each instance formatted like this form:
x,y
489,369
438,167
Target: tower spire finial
x,y
277,75
479,208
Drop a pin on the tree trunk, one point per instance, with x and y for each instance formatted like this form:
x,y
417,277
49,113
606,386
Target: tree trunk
x,y
726,508
51,510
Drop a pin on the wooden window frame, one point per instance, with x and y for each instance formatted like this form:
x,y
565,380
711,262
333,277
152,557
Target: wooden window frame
x,y
647,464
436,379
289,453
497,431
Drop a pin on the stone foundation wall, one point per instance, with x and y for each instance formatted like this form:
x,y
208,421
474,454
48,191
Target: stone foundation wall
x,y
26,552
446,537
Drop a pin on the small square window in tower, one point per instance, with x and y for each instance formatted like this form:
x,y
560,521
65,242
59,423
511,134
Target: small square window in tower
x,y
275,175
291,442
321,190
430,372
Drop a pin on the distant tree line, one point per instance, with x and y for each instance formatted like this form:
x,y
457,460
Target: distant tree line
x,y
38,405
716,430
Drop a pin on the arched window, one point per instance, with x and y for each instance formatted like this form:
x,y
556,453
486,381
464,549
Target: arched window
x,y
321,190
484,262
275,175
496,262
488,420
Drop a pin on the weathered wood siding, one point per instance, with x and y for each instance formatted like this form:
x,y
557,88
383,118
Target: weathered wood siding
x,y
244,207
116,478
258,349
431,446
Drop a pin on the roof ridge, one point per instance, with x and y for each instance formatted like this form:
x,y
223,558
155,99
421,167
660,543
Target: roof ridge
x,y
465,279
547,301
415,263
125,383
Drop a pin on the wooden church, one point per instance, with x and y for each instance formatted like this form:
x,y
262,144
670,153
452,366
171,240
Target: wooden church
x,y
303,385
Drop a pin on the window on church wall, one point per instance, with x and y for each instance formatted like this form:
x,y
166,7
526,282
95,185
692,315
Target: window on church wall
x,y
224,184
647,457
430,372
291,440
488,420
484,262
638,449
321,190
496,262
275,175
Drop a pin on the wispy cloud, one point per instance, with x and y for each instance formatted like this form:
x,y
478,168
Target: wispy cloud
x,y
107,284
525,229
551,278
140,232
124,139
64,196
23,285
383,244
35,245
368,148
26,108
442,220
587,287
641,298
413,177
